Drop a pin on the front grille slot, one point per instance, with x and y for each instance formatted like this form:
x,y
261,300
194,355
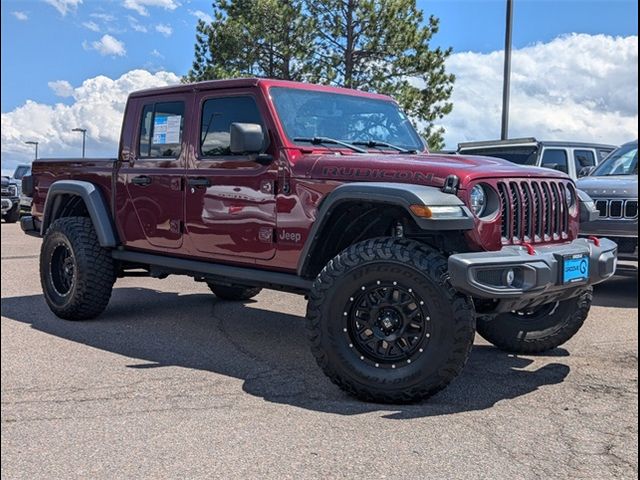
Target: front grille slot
x,y
603,207
533,211
631,209
615,208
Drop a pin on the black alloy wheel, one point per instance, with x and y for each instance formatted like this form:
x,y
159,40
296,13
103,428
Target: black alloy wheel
x,y
388,324
62,269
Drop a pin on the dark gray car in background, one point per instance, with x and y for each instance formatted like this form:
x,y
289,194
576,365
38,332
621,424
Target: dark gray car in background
x,y
613,186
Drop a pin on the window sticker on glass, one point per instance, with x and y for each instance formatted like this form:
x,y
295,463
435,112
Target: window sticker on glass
x,y
166,129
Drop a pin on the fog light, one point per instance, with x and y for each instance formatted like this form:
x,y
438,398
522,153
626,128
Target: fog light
x,y
509,277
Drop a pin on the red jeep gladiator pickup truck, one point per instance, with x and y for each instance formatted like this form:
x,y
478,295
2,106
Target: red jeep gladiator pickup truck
x,y
253,183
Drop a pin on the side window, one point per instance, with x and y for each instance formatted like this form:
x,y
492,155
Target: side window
x,y
161,128
584,158
217,116
555,159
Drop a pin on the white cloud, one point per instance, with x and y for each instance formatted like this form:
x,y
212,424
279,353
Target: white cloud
x,y
105,17
61,88
200,15
22,16
135,25
140,6
64,6
98,106
93,26
156,53
165,30
107,45
576,87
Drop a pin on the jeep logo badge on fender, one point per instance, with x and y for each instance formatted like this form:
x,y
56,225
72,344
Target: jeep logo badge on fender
x,y
293,237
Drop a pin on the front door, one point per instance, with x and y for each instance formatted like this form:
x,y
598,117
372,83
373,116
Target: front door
x,y
230,199
154,176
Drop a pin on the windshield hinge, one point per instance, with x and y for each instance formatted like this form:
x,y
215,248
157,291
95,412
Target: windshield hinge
x,y
451,184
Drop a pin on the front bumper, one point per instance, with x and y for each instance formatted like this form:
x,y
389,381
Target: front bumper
x,y
536,277
25,203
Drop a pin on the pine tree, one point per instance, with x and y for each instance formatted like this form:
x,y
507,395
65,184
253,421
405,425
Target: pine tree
x,y
383,46
265,38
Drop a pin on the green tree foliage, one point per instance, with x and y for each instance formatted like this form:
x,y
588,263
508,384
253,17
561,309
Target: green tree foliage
x,y
374,45
264,38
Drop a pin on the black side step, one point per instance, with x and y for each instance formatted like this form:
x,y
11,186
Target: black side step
x,y
226,273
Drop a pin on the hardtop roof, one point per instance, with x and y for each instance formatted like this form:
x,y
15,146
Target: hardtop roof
x,y
252,82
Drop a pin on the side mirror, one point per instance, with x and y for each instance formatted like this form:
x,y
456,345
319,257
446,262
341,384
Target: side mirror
x,y
585,171
246,138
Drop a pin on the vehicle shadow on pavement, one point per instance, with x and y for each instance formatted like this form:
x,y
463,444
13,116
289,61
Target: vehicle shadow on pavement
x,y
617,292
268,351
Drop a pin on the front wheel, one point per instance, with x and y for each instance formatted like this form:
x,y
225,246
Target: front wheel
x,y
540,329
384,323
13,215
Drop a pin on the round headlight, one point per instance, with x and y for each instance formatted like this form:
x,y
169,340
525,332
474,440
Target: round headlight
x,y
569,197
478,200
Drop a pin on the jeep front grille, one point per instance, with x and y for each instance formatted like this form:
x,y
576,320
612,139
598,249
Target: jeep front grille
x,y
617,208
534,211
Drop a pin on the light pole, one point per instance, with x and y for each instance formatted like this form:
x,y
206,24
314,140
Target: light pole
x,y
30,142
507,72
84,137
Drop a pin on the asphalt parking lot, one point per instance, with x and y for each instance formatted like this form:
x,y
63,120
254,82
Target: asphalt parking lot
x,y
172,383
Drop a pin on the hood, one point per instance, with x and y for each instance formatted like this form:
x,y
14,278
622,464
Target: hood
x,y
420,169
5,181
615,186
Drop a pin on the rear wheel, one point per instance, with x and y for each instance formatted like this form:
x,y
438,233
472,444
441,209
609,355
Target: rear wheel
x,y
385,324
235,292
76,273
540,329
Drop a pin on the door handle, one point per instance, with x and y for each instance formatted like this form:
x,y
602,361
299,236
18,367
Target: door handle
x,y
141,180
199,182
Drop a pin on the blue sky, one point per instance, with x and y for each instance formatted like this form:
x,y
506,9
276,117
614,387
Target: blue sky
x,y
48,46
70,63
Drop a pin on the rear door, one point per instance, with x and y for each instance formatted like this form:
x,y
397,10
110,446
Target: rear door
x,y
230,199
154,174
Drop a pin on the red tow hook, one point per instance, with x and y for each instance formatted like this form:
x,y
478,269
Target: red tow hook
x,y
595,240
529,247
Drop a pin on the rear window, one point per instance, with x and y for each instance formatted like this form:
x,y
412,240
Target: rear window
x,y
520,155
584,158
161,128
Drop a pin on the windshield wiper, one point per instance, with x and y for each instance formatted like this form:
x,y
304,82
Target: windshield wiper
x,y
378,143
330,141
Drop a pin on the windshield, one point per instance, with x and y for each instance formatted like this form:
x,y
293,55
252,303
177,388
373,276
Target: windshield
x,y
347,118
21,171
526,155
623,161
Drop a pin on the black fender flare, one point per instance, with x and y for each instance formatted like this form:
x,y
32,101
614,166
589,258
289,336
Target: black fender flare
x,y
93,200
398,194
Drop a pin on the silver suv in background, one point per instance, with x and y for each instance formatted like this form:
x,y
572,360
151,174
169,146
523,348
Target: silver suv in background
x,y
22,170
573,158
613,186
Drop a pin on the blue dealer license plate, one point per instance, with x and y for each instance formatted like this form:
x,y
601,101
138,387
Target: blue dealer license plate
x,y
575,268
